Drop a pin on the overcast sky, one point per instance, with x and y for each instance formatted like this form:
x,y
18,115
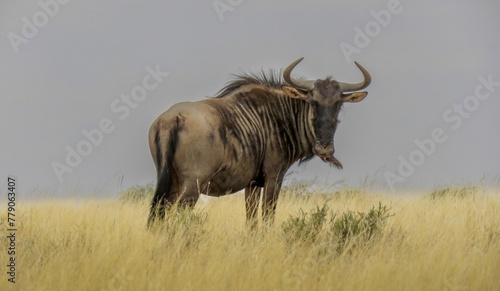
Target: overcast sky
x,y
435,67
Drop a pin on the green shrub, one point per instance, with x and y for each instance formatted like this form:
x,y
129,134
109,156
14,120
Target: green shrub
x,y
343,231
350,193
454,192
353,228
305,227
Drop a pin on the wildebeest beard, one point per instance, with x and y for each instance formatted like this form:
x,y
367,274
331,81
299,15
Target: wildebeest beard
x,y
333,161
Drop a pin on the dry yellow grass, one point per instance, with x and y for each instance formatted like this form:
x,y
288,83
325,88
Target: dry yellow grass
x,y
450,243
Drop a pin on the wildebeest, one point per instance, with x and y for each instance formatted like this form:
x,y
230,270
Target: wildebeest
x,y
246,137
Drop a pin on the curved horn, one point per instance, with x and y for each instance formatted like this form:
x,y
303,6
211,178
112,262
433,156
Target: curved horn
x,y
346,87
303,84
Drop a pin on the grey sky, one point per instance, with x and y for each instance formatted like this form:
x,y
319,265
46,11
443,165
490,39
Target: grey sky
x,y
427,58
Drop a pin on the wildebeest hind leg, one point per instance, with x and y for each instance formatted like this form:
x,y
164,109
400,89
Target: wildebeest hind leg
x,y
188,195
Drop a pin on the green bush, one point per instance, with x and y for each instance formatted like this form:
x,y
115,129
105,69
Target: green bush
x,y
350,193
352,228
305,227
454,192
343,231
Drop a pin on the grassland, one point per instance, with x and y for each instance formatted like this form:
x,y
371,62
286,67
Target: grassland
x,y
447,240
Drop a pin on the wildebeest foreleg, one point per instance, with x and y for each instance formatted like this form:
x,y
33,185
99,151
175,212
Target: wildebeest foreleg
x,y
272,189
252,197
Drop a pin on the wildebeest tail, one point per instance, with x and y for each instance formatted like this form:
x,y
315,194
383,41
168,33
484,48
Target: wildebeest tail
x,y
165,151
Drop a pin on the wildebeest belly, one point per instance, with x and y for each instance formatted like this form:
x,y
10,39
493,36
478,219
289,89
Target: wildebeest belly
x,y
229,180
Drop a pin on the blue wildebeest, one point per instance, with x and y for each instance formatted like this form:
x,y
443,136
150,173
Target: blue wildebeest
x,y
246,137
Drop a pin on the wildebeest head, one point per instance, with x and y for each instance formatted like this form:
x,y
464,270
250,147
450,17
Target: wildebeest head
x,y
325,98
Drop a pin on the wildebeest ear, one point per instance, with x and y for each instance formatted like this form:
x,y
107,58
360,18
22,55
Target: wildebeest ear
x,y
295,93
354,97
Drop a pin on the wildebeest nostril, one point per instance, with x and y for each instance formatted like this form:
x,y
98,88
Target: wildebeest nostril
x,y
324,145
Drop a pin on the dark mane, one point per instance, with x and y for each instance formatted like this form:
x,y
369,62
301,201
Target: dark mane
x,y
271,79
